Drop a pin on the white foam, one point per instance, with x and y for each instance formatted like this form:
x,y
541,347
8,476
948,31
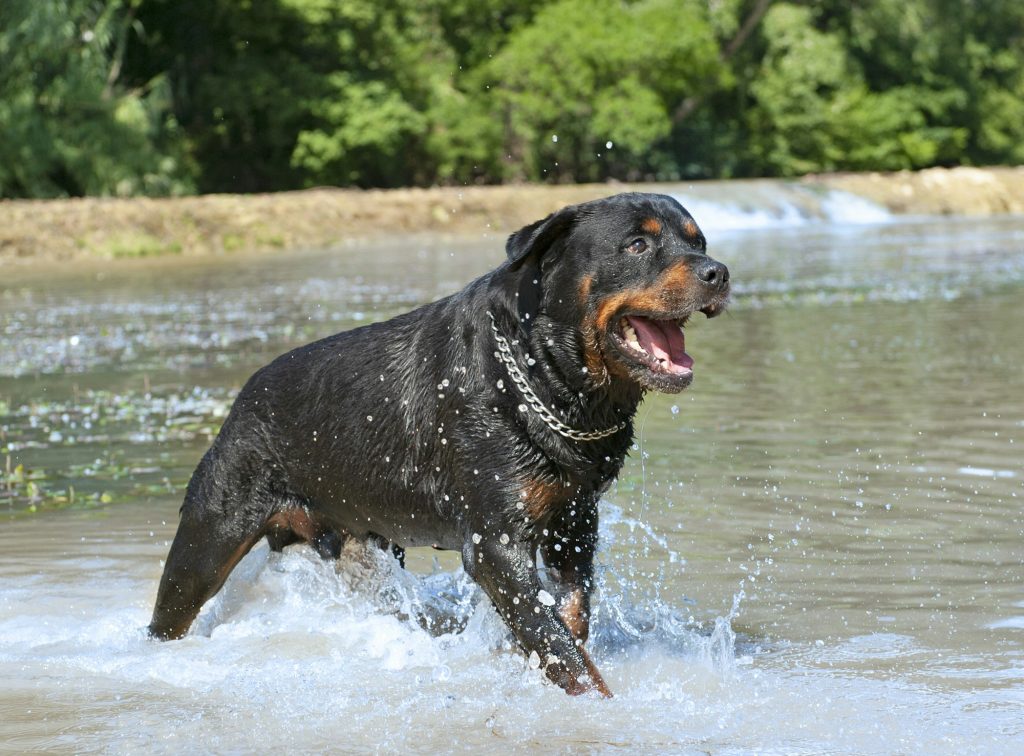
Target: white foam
x,y
719,217
752,207
307,655
1010,623
985,472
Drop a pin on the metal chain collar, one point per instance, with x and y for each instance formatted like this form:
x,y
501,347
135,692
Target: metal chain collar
x,y
504,355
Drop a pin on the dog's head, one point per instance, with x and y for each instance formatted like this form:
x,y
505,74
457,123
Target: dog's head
x,y
625,273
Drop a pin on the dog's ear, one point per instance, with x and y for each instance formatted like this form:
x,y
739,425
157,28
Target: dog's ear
x,y
537,238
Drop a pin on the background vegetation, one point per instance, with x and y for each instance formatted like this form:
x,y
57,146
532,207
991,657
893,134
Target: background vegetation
x,y
124,97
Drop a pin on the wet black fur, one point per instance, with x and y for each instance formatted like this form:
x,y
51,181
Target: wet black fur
x,y
399,431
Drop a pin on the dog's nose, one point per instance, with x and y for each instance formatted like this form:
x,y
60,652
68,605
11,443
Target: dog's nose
x,y
713,273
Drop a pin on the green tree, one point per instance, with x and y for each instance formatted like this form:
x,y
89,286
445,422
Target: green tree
x,y
243,76
585,73
813,109
158,96
963,62
67,124
370,126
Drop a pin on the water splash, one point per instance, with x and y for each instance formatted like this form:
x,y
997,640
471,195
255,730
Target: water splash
x,y
748,206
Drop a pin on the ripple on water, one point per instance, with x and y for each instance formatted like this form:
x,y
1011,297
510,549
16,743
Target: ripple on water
x,y
816,550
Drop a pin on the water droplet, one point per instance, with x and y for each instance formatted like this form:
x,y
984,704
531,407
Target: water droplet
x,y
503,538
477,538
675,409
501,384
545,598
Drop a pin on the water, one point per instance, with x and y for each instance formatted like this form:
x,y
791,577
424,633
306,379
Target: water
x,y
818,548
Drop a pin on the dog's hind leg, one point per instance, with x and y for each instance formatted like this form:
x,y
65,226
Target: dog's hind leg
x,y
221,520
297,522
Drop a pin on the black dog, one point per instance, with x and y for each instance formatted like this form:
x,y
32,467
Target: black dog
x,y
489,422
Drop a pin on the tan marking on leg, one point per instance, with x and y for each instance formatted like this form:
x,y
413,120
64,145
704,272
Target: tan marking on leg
x,y
541,496
572,614
596,682
305,524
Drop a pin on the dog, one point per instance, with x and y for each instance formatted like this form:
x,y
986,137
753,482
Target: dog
x,y
489,422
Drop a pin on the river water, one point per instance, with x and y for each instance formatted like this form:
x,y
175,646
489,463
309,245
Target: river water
x,y
818,548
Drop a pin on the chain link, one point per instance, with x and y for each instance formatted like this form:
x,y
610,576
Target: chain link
x,y
504,355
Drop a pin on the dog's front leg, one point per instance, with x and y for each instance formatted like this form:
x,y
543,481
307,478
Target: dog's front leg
x,y
568,550
505,569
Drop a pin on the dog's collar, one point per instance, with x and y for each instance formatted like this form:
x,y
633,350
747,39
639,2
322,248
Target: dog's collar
x,y
504,355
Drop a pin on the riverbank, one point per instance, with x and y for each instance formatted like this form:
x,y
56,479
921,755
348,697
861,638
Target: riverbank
x,y
109,228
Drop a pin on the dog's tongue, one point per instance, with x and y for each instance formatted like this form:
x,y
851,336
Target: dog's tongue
x,y
663,340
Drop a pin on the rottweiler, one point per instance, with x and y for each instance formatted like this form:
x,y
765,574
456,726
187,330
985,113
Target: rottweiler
x,y
488,422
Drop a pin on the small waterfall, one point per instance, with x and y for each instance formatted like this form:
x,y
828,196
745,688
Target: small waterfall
x,y
727,206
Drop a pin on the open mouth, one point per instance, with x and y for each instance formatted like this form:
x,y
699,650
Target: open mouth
x,y
661,344
654,351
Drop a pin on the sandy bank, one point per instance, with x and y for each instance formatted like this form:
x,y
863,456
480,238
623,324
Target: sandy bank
x,y
215,224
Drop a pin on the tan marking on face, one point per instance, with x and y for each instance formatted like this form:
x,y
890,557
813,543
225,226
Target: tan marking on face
x,y
651,225
608,306
584,289
574,614
663,296
691,230
541,496
672,280
592,355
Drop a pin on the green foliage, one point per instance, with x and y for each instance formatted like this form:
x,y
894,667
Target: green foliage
x,y
814,111
67,126
166,96
371,123
585,73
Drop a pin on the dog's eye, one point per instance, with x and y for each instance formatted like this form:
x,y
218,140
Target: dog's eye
x,y
636,246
